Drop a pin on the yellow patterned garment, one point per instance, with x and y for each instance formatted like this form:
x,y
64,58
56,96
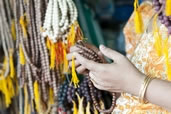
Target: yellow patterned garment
x,y
141,52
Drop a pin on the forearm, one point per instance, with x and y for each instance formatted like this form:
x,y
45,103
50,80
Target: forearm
x,y
158,91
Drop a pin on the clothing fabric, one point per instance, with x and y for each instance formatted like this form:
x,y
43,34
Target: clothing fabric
x,y
142,53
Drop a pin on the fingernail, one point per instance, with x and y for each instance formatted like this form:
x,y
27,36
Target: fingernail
x,y
74,53
102,47
81,51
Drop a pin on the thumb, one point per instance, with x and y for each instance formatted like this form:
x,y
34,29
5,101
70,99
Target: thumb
x,y
100,54
115,56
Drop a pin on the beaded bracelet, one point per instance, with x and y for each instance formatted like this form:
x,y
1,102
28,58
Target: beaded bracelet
x,y
143,89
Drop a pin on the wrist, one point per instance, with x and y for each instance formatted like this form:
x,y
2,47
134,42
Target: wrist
x,y
133,86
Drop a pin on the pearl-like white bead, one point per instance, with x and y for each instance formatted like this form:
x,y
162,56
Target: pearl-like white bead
x,y
59,17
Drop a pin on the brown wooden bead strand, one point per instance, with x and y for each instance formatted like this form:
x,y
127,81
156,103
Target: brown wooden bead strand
x,y
30,81
47,70
44,90
92,55
54,84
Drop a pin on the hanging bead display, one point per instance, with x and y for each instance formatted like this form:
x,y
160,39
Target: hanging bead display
x,y
60,16
165,18
44,31
162,14
8,82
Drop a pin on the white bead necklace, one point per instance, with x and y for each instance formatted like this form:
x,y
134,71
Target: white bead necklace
x,y
60,15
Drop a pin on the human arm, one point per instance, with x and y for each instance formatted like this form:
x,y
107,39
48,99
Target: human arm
x,y
122,76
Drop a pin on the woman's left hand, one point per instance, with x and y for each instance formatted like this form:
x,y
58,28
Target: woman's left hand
x,y
119,76
80,68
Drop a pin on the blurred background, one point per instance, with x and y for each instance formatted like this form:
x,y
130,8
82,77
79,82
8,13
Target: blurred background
x,y
102,21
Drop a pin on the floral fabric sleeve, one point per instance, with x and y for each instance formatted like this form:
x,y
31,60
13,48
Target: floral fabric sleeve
x,y
141,52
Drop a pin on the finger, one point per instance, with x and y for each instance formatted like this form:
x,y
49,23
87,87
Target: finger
x,y
69,56
85,73
101,87
110,53
100,53
76,63
94,77
115,90
98,79
74,49
101,56
88,64
80,69
94,48
97,85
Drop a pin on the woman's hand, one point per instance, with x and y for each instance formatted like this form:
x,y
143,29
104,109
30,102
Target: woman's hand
x,y
80,68
122,76
119,76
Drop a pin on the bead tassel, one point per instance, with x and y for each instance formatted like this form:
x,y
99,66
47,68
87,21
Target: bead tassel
x,y
80,102
23,24
157,37
168,67
168,8
21,55
71,36
95,110
72,40
52,56
13,30
75,110
10,87
48,43
74,79
137,18
6,87
88,108
51,96
26,102
102,104
12,69
65,59
37,96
